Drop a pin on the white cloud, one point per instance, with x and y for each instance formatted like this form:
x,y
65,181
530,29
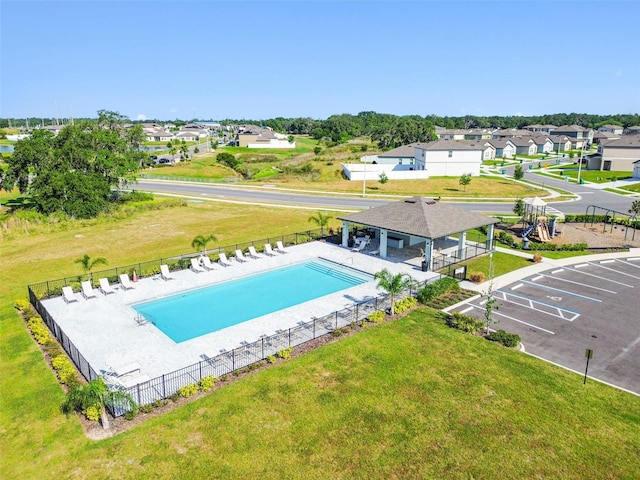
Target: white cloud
x,y
518,114
173,110
618,73
141,116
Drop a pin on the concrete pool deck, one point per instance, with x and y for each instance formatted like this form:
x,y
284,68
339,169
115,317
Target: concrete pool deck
x,y
105,330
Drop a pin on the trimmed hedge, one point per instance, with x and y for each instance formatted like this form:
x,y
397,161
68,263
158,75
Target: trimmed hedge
x,y
463,322
433,290
505,338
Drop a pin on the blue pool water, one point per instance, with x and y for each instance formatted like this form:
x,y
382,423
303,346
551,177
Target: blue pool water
x,y
192,314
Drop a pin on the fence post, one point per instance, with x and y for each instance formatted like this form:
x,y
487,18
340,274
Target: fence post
x,y
336,315
233,360
314,328
164,388
262,347
289,338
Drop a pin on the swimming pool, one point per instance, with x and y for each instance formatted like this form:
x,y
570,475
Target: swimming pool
x,y
199,312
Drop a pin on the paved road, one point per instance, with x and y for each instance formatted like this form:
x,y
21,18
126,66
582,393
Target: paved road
x,y
588,196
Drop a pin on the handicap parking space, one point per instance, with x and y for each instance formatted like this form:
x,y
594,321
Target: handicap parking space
x,y
560,312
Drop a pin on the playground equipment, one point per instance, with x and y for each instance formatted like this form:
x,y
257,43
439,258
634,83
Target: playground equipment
x,y
535,221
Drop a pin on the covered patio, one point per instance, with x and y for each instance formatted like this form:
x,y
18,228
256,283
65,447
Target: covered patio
x,y
423,223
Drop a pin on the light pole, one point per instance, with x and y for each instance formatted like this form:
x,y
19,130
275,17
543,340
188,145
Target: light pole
x,y
580,162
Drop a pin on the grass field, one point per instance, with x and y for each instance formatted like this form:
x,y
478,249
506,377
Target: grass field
x,y
408,399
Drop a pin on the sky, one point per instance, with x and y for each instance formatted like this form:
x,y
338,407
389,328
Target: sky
x,y
259,60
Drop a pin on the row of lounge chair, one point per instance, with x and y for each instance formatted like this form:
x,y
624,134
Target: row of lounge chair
x,y
197,265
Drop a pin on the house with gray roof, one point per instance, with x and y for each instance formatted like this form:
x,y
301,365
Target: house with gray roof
x,y
504,147
420,221
575,132
450,158
614,129
539,128
511,133
404,155
543,144
524,146
635,130
561,143
617,155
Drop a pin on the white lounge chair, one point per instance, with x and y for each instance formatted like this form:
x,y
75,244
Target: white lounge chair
x,y
360,244
125,282
253,253
165,274
206,263
87,290
268,250
195,266
280,247
222,260
68,295
240,256
105,288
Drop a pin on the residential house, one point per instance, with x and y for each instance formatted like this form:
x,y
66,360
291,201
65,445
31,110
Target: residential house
x,y
504,148
488,152
618,155
543,144
187,136
524,146
575,132
257,137
561,143
449,157
614,129
599,137
404,155
511,133
539,128
158,135
635,130
636,169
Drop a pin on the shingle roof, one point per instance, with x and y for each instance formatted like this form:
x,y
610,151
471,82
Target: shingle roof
x,y
500,142
403,151
629,141
571,128
422,217
451,145
521,142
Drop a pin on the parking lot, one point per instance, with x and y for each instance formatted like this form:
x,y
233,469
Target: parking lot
x,y
561,311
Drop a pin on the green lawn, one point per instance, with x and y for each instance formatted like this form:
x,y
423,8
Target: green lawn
x,y
408,399
595,176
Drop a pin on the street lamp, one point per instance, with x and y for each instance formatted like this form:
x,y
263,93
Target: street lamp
x,y
580,162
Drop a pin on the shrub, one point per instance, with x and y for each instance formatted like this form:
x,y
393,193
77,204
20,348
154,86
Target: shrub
x,y
189,390
22,305
537,258
476,277
65,370
405,304
158,403
92,413
148,408
207,383
38,329
506,339
285,353
376,317
463,322
131,414
271,359
437,288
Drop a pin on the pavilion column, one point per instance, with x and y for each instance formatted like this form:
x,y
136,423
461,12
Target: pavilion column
x,y
461,243
383,243
428,253
490,237
345,234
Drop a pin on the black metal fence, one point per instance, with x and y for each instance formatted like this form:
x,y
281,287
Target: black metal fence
x,y
442,261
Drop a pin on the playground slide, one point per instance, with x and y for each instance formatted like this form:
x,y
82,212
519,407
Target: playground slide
x,y
543,233
527,231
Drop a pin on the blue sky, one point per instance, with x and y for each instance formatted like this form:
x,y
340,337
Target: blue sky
x,y
257,60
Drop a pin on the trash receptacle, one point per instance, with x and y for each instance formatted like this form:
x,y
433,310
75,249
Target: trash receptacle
x,y
581,182
425,266
525,243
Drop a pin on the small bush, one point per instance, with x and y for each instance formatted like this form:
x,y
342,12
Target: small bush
x,y
404,305
148,408
131,414
92,413
537,258
506,339
207,383
376,317
189,390
65,370
466,323
271,359
158,403
22,305
476,277
433,290
285,353
39,330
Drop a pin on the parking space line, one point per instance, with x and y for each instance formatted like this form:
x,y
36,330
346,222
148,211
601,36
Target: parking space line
x,y
563,291
518,321
606,279
630,264
578,283
618,272
532,306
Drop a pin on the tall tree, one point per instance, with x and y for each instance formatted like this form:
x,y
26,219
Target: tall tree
x,y
75,171
393,284
518,172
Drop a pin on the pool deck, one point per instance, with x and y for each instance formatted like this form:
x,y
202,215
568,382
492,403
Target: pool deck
x,y
107,334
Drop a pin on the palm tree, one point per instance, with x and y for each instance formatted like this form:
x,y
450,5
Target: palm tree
x,y
88,263
201,242
322,220
96,393
393,284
